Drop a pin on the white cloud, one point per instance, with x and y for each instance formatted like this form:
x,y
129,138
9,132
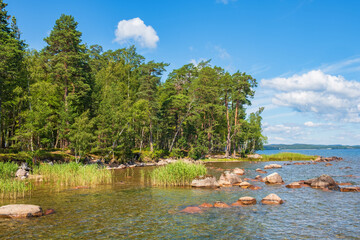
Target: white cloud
x,y
345,66
222,53
136,30
332,97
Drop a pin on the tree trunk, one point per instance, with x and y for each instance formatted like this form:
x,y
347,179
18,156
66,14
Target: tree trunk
x,y
151,137
228,139
236,115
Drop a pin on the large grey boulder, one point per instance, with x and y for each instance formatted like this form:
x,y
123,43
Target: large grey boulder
x,y
273,178
21,173
228,179
20,211
205,181
324,181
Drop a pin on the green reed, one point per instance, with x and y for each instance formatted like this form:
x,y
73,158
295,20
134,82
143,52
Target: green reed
x,y
177,174
9,186
73,174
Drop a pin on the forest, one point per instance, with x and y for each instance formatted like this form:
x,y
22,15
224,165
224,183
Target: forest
x,y
73,97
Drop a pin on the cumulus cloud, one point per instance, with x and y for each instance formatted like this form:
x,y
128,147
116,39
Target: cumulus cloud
x,y
136,30
332,97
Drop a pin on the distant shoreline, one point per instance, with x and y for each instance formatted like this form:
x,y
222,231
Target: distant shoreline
x,y
307,147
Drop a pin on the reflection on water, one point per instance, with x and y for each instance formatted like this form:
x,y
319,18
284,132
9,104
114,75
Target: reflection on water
x,y
131,209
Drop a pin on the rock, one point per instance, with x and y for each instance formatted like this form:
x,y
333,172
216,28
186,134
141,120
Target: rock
x,y
350,189
239,171
24,166
191,210
260,170
258,177
20,211
219,204
247,200
344,184
328,159
328,164
205,181
273,178
255,156
270,166
272,199
21,173
254,188
206,205
245,185
294,185
324,181
49,211
228,179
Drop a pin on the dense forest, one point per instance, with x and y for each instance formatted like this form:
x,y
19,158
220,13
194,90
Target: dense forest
x,y
71,96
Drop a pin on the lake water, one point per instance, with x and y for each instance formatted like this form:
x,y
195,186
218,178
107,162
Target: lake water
x,y
131,209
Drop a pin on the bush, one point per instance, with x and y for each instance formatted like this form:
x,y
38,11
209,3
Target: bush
x,y
197,152
177,153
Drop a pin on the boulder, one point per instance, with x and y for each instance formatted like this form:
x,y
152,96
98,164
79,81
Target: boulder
x,y
254,188
191,210
219,204
245,185
49,211
21,173
270,166
328,165
294,185
20,211
350,189
239,171
272,199
324,181
206,205
228,179
205,181
273,178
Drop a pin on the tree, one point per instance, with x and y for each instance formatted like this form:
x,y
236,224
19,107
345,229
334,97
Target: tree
x,y
12,75
68,68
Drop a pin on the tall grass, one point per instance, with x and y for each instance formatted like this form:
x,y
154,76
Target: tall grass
x,y
286,156
73,174
177,174
10,187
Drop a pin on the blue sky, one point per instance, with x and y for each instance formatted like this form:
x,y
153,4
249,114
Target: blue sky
x,y
305,54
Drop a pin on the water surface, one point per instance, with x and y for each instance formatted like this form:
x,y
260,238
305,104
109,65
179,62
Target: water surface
x,y
131,209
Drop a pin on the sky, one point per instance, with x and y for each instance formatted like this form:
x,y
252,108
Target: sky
x,y
305,54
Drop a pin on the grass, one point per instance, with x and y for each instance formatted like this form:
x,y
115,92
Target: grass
x,y
177,174
73,174
287,156
283,156
10,187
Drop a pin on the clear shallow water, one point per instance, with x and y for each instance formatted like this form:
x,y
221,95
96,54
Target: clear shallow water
x,y
131,209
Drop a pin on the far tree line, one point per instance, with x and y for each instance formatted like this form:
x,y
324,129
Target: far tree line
x,y
113,103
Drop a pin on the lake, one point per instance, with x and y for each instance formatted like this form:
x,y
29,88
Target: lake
x,y
131,209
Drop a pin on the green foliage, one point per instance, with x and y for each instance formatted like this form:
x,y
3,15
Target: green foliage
x,y
8,170
73,174
177,174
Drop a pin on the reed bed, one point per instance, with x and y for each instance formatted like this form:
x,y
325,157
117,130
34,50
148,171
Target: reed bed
x,y
9,186
286,156
73,174
177,174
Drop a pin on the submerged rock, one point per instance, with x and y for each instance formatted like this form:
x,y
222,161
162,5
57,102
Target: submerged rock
x,y
228,179
350,189
219,204
206,205
273,178
260,170
245,201
245,185
205,181
294,185
324,181
191,210
272,199
20,211
270,166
